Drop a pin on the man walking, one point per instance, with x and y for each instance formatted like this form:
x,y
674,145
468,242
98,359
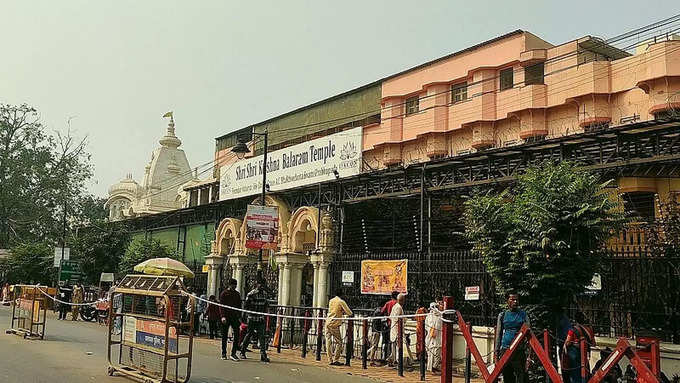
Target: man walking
x,y
337,308
397,311
256,301
386,311
230,297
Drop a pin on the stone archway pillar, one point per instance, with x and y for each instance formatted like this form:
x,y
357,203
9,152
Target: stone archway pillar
x,y
238,262
214,262
321,263
290,271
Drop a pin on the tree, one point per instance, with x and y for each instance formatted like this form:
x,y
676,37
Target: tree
x,y
30,263
100,247
40,174
544,237
141,250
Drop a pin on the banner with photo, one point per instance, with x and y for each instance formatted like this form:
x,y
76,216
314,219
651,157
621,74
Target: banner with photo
x,y
262,227
384,277
148,333
320,160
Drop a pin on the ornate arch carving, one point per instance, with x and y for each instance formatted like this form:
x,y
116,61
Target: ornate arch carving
x,y
228,238
304,220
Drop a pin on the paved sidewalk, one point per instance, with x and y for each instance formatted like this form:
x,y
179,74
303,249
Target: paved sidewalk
x,y
380,374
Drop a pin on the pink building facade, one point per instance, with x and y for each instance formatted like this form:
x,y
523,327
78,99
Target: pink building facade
x,y
518,88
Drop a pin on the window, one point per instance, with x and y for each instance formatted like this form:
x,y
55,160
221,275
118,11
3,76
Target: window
x,y
640,205
533,74
458,92
412,105
506,79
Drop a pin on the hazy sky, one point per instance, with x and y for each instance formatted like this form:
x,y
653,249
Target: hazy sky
x,y
118,66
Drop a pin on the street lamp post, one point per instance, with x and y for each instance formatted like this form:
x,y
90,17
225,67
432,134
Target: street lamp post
x,y
241,149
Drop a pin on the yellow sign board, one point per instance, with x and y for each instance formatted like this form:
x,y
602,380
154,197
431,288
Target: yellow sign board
x,y
384,277
205,268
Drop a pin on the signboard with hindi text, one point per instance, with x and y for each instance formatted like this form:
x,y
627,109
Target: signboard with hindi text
x,y
384,277
262,226
304,164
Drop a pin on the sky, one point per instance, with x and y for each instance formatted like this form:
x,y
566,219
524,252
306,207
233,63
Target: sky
x,y
115,67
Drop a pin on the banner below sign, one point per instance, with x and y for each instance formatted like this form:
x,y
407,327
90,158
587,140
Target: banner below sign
x,y
384,277
262,227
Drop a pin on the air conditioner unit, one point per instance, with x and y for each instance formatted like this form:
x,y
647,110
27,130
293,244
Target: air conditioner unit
x,y
512,143
463,152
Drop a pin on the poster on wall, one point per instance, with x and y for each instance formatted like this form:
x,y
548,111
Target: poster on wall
x,y
384,277
262,226
320,160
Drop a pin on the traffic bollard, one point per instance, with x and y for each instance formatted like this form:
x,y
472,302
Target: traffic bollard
x,y
364,344
305,333
400,345
319,339
447,342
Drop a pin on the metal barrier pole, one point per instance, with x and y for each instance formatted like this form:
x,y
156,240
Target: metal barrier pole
x,y
292,329
364,346
583,360
447,343
350,342
468,358
546,347
279,330
305,333
400,345
319,339
420,338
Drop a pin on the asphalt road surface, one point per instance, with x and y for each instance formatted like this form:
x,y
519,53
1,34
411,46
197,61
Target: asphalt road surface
x,y
75,352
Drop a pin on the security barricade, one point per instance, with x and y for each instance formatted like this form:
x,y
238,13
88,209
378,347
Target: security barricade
x,y
28,312
623,348
148,319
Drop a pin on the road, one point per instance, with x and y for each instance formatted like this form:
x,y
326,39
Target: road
x,y
75,352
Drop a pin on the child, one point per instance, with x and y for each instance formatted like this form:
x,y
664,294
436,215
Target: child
x,y
213,316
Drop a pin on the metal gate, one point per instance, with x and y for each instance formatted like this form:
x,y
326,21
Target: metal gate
x,y
429,277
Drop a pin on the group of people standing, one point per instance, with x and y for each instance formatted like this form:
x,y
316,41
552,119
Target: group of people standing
x,y
68,295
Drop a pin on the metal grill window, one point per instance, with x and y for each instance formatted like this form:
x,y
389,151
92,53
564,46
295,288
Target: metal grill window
x,y
412,105
533,74
459,92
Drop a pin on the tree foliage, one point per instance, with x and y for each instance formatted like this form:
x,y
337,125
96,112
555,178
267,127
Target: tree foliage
x,y
544,237
30,263
39,175
142,249
100,247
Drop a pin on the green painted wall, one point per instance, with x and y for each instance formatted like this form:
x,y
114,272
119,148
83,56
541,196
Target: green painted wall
x,y
197,246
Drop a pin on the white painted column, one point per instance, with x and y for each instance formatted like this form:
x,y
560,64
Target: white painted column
x,y
238,275
322,297
214,263
295,284
285,296
280,292
315,299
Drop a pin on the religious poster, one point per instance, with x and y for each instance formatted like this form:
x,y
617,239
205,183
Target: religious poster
x,y
262,227
384,277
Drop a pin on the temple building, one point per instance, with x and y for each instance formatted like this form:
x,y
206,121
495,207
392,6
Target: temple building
x,y
161,188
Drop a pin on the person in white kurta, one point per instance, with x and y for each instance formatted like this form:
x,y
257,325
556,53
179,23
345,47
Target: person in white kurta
x,y
433,337
397,310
